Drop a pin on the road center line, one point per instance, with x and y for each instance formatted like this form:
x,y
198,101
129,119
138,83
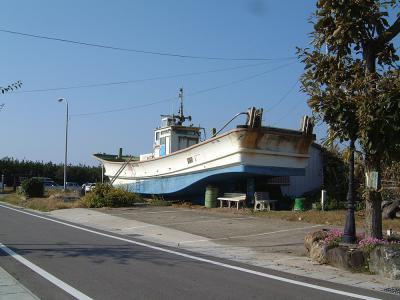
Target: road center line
x,y
205,260
46,275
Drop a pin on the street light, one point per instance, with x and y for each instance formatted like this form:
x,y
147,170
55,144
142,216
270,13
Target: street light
x,y
66,142
349,233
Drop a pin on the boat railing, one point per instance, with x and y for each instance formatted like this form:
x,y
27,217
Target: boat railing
x,y
254,119
227,123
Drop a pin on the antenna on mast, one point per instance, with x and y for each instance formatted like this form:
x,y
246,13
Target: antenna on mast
x,y
181,117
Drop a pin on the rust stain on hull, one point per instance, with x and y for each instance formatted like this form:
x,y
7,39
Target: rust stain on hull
x,y
263,139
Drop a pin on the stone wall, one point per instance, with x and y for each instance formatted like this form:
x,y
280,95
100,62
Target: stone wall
x,y
383,259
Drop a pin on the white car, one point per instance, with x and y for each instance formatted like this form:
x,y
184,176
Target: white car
x,y
89,186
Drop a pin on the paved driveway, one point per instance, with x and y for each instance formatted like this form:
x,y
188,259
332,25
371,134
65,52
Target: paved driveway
x,y
261,234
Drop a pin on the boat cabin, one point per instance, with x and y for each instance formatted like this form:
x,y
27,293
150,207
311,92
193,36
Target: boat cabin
x,y
172,136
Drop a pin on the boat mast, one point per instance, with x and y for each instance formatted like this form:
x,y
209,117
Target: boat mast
x,y
181,117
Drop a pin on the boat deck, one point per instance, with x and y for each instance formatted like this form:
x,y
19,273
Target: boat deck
x,y
115,157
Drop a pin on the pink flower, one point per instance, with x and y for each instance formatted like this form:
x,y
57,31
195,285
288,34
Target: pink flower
x,y
370,243
334,237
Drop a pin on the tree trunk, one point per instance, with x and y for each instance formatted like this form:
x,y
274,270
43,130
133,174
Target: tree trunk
x,y
373,212
370,58
373,215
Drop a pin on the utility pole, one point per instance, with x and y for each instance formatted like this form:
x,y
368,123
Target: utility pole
x,y
349,233
66,142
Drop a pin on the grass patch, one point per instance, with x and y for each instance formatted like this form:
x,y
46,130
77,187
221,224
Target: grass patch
x,y
56,193
42,204
13,198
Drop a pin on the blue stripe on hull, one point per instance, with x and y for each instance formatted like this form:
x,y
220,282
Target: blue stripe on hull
x,y
197,181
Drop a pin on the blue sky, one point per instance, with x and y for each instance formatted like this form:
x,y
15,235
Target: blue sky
x,y
33,122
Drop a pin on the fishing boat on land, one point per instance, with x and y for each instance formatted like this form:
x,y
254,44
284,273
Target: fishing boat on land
x,y
183,164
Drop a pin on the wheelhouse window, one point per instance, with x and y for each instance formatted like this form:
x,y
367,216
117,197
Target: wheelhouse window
x,y
185,142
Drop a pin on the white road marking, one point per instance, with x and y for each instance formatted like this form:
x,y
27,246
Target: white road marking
x,y
46,275
249,235
186,222
213,262
141,226
202,221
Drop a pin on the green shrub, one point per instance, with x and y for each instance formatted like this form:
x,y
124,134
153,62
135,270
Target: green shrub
x,y
104,195
335,204
390,194
360,205
317,206
93,200
33,187
118,197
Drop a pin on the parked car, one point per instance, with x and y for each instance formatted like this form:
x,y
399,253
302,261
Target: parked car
x,y
49,184
89,186
73,186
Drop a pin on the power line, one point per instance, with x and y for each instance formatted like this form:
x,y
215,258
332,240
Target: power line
x,y
284,96
137,50
189,94
94,85
125,108
287,114
241,80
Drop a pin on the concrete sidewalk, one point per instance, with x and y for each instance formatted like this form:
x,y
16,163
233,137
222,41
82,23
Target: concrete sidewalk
x,y
11,289
263,242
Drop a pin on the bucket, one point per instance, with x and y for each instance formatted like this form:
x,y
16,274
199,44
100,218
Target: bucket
x,y
210,199
299,204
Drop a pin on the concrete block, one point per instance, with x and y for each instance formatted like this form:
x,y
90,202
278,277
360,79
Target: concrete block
x,y
344,258
385,260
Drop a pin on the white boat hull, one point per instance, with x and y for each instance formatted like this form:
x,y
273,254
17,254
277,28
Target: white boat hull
x,y
239,152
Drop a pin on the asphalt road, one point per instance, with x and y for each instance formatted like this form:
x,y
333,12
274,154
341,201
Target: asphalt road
x,y
107,266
